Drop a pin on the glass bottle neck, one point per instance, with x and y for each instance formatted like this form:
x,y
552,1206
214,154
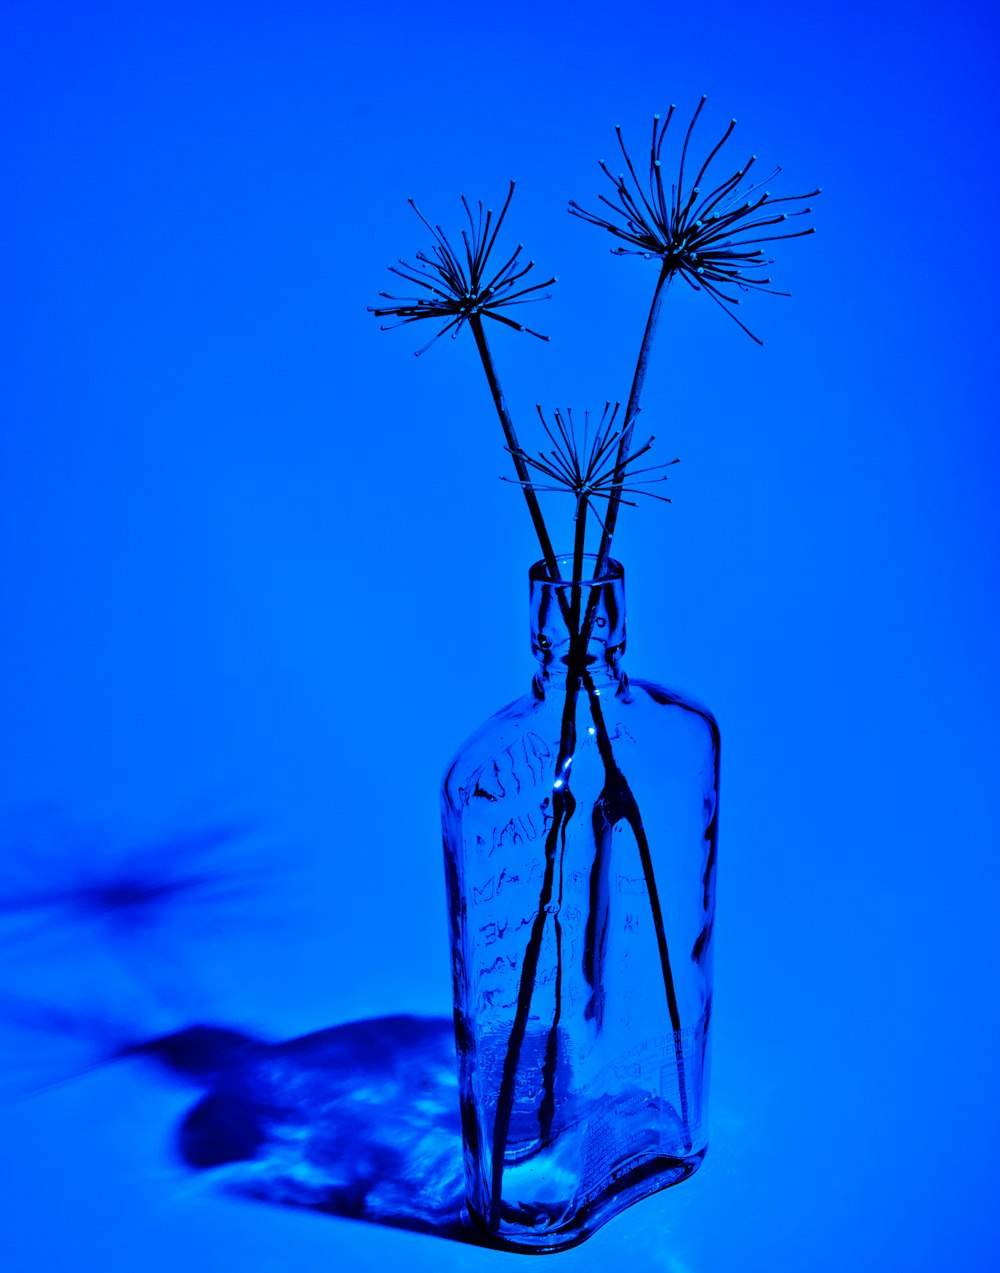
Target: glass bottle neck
x,y
578,627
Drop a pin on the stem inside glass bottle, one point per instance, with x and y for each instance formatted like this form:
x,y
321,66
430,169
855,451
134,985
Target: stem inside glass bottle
x,y
616,803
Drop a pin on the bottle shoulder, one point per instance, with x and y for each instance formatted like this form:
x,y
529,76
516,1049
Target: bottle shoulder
x,y
668,697
519,724
523,737
656,722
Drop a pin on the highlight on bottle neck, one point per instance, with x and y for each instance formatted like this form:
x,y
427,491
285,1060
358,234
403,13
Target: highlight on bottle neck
x,y
565,613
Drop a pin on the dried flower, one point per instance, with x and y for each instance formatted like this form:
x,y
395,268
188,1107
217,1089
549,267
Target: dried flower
x,y
587,468
461,290
711,240
698,236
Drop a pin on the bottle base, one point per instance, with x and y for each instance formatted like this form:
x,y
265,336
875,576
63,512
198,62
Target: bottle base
x,y
520,1231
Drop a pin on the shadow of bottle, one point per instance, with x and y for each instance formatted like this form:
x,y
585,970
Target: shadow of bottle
x,y
360,1120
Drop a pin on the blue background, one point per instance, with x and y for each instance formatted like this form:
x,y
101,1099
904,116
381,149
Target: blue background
x,y
257,572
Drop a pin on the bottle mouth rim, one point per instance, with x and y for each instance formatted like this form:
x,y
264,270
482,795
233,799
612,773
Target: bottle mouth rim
x,y
539,572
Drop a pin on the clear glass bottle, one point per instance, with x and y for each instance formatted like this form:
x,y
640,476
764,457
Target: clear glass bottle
x,y
579,836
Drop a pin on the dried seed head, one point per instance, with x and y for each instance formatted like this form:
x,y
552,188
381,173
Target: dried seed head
x,y
586,467
699,235
462,288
